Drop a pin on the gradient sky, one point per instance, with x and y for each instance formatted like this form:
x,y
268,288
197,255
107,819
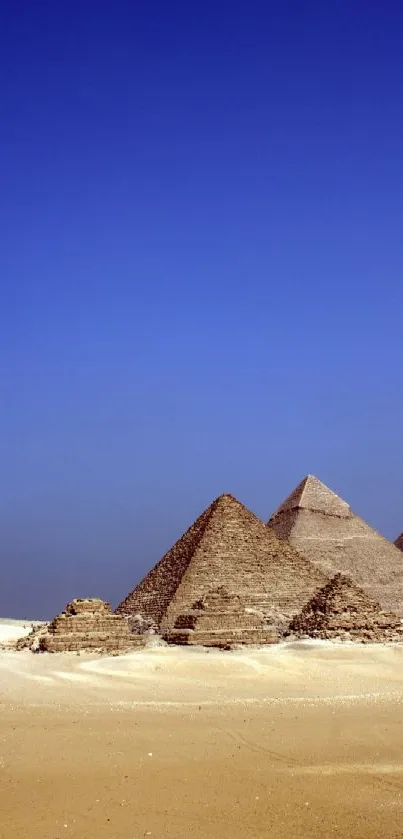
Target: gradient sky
x,y
201,267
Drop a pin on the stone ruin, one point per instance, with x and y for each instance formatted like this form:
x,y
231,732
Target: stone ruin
x,y
344,611
220,619
88,624
141,625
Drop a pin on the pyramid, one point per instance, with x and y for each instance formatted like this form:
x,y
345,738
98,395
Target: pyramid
x,y
399,542
231,547
323,527
343,609
220,619
88,624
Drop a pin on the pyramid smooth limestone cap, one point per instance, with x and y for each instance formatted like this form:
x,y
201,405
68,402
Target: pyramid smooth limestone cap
x,y
312,494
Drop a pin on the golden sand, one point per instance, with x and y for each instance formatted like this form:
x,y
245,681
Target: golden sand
x,y
303,740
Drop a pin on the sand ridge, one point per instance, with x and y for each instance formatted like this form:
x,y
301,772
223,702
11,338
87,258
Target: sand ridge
x,y
299,671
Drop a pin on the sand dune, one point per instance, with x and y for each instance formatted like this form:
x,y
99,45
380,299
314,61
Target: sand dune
x,y
298,740
296,672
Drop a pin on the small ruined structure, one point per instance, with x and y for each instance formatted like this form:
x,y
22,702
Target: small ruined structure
x,y
317,522
343,610
230,547
399,542
88,624
220,618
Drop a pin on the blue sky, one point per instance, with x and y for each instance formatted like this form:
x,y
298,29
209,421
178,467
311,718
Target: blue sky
x,y
201,275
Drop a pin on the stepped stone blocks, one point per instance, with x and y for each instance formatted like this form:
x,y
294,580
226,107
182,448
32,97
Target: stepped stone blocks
x,y
342,609
88,625
315,521
399,542
231,547
220,619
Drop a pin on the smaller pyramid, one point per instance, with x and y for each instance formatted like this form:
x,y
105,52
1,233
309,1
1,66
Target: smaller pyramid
x,y
323,527
88,624
399,542
342,609
220,619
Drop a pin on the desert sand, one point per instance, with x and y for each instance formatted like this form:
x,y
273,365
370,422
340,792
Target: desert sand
x,y
296,740
11,630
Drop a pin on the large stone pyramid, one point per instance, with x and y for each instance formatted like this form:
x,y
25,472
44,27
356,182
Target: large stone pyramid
x,y
323,527
342,609
399,542
230,547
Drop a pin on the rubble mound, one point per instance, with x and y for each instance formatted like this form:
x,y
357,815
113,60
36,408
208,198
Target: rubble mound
x,y
342,609
31,641
220,619
88,624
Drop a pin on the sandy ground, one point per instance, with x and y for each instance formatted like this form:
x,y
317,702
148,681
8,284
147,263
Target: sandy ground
x,y
12,630
300,740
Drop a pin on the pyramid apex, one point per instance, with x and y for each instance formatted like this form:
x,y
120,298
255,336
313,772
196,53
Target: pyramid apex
x,y
226,499
340,579
312,494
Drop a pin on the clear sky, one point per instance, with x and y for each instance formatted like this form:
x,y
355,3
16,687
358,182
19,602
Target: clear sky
x,y
201,267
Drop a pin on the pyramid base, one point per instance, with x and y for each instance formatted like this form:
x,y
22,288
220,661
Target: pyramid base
x,y
221,638
80,642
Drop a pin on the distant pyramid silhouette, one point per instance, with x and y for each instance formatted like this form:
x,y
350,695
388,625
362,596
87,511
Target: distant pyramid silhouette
x,y
323,527
399,542
341,607
226,546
